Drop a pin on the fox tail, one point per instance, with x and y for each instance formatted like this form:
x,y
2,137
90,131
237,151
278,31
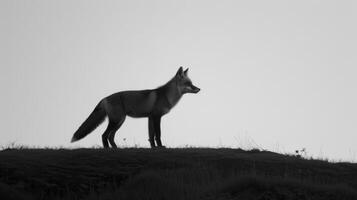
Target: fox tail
x,y
92,122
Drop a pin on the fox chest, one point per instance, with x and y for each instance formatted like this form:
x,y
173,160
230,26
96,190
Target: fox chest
x,y
165,104
161,110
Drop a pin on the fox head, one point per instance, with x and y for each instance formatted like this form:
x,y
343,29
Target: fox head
x,y
184,83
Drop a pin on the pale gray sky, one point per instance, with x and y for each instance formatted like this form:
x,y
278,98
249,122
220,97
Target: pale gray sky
x,y
281,73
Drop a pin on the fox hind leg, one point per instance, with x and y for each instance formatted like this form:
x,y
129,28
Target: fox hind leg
x,y
116,117
109,134
115,128
106,134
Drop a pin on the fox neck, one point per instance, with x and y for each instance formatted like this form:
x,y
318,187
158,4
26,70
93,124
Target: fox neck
x,y
172,92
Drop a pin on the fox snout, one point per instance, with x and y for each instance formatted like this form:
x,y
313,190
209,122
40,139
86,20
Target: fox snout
x,y
195,89
192,89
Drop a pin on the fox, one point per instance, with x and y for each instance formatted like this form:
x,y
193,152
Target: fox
x,y
149,103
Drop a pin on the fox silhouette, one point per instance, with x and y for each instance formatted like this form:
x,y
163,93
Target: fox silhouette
x,y
150,103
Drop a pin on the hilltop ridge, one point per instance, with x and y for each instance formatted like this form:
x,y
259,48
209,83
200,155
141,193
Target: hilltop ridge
x,y
187,173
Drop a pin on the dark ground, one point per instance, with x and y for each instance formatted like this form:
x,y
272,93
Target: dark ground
x,y
171,174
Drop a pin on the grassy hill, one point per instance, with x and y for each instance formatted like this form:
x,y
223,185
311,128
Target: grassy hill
x,y
170,174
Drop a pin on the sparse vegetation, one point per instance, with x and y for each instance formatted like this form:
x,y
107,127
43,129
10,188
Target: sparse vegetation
x,y
301,153
187,173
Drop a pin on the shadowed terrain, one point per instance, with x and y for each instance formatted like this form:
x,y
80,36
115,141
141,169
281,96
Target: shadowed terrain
x,y
190,173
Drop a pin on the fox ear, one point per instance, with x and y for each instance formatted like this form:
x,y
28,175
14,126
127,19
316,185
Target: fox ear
x,y
185,72
180,72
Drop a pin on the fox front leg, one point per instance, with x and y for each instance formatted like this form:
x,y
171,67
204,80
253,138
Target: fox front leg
x,y
151,132
157,128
